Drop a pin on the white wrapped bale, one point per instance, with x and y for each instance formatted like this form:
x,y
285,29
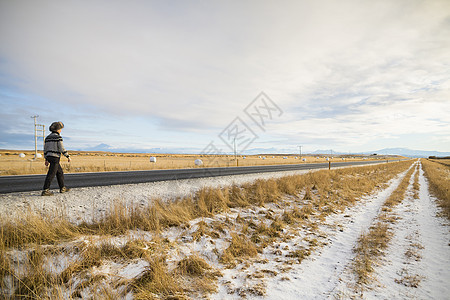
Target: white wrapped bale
x,y
22,155
38,155
198,162
153,159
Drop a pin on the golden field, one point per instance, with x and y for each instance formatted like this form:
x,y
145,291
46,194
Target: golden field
x,y
442,161
438,174
12,164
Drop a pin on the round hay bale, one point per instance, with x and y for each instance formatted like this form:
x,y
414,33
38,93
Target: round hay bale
x,y
22,155
198,162
153,159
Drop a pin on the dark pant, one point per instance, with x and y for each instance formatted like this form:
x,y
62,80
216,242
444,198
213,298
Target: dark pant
x,y
54,169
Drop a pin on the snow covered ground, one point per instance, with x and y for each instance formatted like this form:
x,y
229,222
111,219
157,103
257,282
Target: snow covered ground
x,y
416,265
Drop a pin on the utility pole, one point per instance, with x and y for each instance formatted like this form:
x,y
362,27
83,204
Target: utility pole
x,y
300,148
39,131
235,153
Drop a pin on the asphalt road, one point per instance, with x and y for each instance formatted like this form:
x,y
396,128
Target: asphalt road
x,y
26,183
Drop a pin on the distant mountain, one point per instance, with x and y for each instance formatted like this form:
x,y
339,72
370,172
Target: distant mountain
x,y
100,147
327,152
411,153
108,148
392,151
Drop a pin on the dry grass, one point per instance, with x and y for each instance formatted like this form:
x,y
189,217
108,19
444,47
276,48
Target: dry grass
x,y
239,248
441,161
198,275
193,265
398,195
369,248
438,176
11,164
78,277
37,279
416,185
192,274
299,254
317,195
408,280
35,229
156,281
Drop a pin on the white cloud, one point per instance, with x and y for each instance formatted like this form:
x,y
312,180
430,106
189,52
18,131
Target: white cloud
x,y
355,71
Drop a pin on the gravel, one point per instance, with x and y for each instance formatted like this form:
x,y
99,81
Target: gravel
x,y
86,204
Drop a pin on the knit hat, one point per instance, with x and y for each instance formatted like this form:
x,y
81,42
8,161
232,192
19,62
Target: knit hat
x,y
56,126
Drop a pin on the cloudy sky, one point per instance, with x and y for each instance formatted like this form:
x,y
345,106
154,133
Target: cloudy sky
x,y
345,75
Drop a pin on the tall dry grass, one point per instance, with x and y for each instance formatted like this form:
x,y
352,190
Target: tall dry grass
x,y
438,176
416,185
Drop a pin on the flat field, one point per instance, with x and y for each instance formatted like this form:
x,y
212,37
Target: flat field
x,y
12,164
442,161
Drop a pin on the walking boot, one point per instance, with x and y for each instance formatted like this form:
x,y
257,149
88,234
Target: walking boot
x,y
64,190
46,193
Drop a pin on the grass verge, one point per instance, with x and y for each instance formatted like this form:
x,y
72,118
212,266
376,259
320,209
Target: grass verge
x,y
438,176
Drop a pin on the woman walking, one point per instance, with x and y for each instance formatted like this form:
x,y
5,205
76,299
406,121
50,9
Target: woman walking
x,y
53,148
